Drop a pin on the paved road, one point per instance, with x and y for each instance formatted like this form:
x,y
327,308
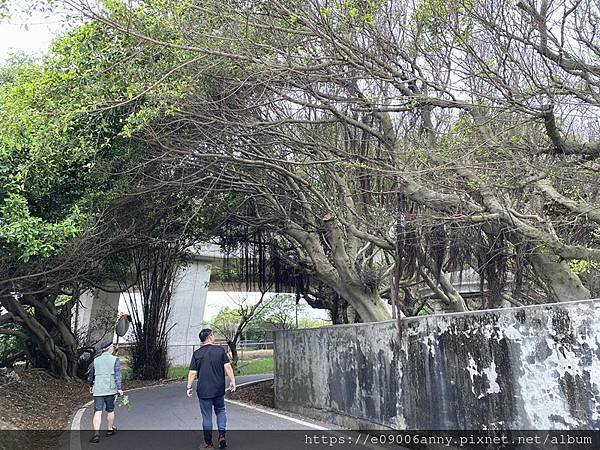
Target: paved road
x,y
164,417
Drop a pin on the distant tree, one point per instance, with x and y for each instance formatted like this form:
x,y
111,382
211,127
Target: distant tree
x,y
232,323
282,312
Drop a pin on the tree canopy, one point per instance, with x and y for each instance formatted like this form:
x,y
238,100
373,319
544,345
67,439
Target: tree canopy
x,y
385,145
69,174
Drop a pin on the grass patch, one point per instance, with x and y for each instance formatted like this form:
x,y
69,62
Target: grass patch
x,y
178,372
174,372
246,367
255,366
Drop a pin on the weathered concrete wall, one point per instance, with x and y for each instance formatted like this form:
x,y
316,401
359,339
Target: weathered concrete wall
x,y
519,368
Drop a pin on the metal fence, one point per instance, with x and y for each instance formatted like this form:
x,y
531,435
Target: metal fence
x,y
180,354
255,345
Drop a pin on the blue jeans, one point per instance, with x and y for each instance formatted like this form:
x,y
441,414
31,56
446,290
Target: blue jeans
x,y
206,406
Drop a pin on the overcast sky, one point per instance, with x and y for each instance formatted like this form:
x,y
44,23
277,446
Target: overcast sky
x,y
29,33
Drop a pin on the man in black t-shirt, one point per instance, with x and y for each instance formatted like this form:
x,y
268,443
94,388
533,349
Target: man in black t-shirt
x,y
209,363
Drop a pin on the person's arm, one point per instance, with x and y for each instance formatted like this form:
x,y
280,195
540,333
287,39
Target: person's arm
x,y
91,376
192,376
190,382
229,371
118,376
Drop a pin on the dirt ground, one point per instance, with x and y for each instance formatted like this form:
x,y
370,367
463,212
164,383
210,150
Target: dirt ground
x,y
260,394
34,400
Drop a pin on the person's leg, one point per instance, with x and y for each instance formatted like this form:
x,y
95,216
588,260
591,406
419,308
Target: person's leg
x,y
219,405
111,420
110,416
206,409
97,420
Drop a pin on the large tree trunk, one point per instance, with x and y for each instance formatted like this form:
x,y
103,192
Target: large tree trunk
x,y
338,309
561,282
369,306
52,342
234,354
326,298
340,275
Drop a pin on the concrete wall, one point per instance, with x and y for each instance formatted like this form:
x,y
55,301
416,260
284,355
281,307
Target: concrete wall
x,y
517,368
187,311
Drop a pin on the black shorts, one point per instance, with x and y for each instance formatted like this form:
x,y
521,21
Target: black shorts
x,y
107,401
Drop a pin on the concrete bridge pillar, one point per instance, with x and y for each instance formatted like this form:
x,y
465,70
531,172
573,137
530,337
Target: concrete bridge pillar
x,y
188,302
95,315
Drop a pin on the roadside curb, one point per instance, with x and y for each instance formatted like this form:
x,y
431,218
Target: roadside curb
x,y
251,383
270,411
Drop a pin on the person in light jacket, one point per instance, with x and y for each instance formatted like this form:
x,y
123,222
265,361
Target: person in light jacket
x,y
105,384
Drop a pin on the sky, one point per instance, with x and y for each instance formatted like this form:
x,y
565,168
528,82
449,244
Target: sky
x,y
29,33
